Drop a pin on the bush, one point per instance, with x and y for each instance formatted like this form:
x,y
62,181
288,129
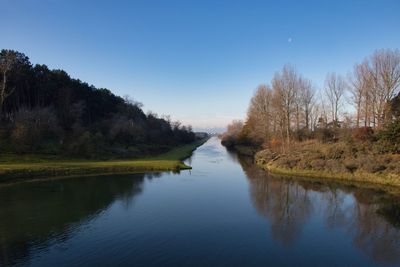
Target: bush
x,y
33,128
390,136
371,164
318,164
335,151
351,166
88,145
363,134
335,166
302,134
325,134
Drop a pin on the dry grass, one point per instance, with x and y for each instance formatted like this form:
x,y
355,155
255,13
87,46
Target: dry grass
x,y
340,161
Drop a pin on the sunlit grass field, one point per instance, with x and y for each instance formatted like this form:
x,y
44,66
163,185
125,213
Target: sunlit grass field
x,y
15,167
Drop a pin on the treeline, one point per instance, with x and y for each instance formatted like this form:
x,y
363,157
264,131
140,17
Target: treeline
x,y
290,109
47,111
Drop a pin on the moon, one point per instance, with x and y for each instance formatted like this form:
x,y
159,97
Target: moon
x,y
290,39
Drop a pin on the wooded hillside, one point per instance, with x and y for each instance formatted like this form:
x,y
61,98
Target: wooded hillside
x,y
47,111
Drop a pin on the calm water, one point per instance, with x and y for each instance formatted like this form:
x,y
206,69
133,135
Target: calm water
x,y
225,212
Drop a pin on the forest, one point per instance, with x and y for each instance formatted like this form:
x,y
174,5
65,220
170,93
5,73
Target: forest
x,y
46,111
350,126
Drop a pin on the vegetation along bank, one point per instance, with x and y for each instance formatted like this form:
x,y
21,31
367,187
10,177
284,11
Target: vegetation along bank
x,y
349,130
52,125
14,169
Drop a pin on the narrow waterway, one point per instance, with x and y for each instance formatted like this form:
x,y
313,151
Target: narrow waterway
x,y
224,212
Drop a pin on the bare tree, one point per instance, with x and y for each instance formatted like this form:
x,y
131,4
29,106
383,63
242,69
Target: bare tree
x,y
335,87
230,137
385,71
259,113
361,84
315,114
306,97
285,84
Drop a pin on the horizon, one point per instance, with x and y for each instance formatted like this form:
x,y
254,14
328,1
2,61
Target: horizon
x,y
185,59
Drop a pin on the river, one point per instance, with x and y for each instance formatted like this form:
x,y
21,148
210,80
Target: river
x,y
224,212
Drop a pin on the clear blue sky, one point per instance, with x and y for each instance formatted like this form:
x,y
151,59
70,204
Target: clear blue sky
x,y
199,61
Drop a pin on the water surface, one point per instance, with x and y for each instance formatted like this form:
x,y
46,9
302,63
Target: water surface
x,y
225,212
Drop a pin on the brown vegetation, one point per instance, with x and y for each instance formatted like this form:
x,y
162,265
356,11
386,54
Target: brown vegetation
x,y
296,131
351,161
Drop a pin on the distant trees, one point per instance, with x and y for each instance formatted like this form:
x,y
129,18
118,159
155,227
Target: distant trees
x,y
335,87
231,136
9,61
47,111
306,101
259,114
374,83
278,111
288,109
385,72
285,85
361,93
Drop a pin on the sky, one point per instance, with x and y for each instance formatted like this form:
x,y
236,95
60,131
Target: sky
x,y
198,61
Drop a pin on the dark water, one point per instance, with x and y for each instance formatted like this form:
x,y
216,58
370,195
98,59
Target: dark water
x,y
225,212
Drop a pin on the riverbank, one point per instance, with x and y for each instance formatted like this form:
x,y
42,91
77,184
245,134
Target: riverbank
x,y
14,168
247,151
336,161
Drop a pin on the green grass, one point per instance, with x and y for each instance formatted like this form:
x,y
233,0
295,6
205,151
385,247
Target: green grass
x,y
14,167
180,153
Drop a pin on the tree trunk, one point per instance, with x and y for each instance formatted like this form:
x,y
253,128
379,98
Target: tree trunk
x,y
3,91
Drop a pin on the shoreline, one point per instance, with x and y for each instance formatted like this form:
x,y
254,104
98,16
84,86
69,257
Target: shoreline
x,y
387,182
169,161
384,182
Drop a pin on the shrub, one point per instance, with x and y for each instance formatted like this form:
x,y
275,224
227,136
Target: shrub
x,y
275,143
34,127
382,147
302,134
335,166
351,166
391,136
372,164
88,145
363,134
334,151
318,164
325,134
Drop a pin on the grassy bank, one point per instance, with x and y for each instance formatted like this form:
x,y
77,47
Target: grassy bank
x,y
357,178
339,162
13,167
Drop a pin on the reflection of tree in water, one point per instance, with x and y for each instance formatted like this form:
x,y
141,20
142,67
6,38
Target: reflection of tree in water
x,y
370,217
32,214
284,203
232,155
374,234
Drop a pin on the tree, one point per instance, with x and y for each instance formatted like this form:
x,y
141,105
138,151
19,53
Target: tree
x,y
288,110
306,99
335,87
385,71
259,114
285,84
361,84
230,137
9,60
35,100
395,107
